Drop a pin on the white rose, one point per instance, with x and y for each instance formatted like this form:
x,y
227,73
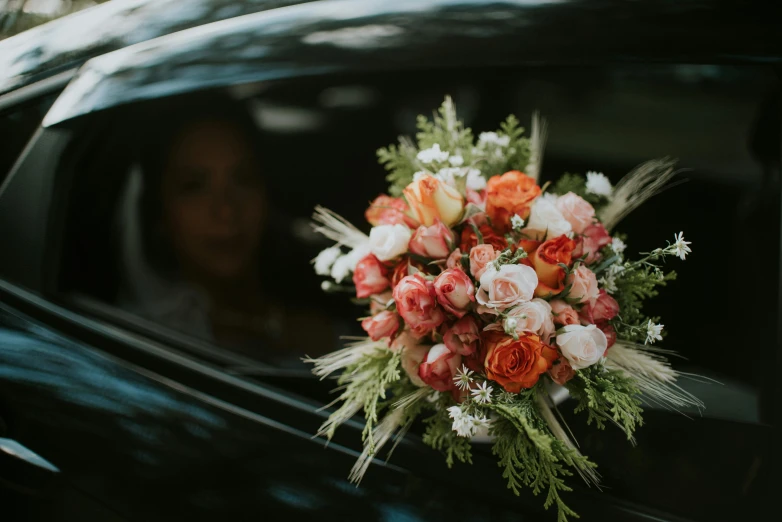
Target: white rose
x,y
506,287
544,216
389,241
582,346
531,317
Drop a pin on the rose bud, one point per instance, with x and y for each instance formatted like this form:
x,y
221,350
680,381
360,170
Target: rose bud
x,y
455,291
454,260
509,195
561,372
582,346
594,238
433,242
516,363
576,211
370,277
463,337
431,199
506,287
384,324
563,313
604,308
413,354
547,260
609,332
583,285
480,257
439,367
385,210
416,302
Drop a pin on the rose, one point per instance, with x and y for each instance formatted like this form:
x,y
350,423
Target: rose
x,y
561,372
583,285
593,239
384,324
531,317
508,195
454,290
431,199
404,268
413,354
582,346
477,198
385,210
546,221
389,241
516,364
416,302
563,313
433,242
576,211
609,332
439,367
378,302
463,337
547,260
506,287
480,258
370,277
603,308
469,239
454,260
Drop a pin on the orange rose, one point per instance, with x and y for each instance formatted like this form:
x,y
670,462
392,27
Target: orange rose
x,y
490,237
546,260
402,269
431,199
385,210
516,364
509,194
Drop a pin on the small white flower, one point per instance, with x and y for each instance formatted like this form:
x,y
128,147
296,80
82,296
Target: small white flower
x,y
493,138
325,259
680,247
481,422
432,155
617,245
456,160
516,222
608,282
510,325
653,332
463,378
326,286
475,180
464,427
598,184
482,393
455,412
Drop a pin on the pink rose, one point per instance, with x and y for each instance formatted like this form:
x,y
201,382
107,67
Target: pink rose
x,y
530,317
416,302
480,257
604,308
378,302
583,285
576,211
413,354
504,288
433,242
370,277
561,372
593,239
455,291
464,336
454,260
609,332
477,198
563,313
439,367
384,324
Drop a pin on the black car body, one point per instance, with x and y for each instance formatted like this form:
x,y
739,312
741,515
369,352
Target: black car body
x,y
127,421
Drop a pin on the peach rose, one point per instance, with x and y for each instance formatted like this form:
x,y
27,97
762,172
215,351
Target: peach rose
x,y
384,324
416,302
454,260
583,285
480,257
413,354
516,364
385,210
576,211
370,277
582,346
433,242
603,308
431,199
454,290
506,287
561,372
547,260
532,317
563,313
463,337
593,239
508,195
439,367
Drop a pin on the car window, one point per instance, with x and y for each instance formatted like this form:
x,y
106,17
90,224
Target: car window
x,y
17,125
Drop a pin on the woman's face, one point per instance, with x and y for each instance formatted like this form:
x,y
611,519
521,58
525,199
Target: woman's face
x,y
213,201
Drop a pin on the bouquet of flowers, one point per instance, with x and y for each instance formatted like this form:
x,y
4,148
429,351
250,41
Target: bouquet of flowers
x,y
485,292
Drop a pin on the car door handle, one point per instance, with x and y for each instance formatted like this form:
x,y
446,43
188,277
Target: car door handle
x,y
10,449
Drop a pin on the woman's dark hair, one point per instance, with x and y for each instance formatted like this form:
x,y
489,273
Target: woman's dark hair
x,y
169,119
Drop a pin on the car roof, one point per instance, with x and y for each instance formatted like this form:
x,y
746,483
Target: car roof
x,y
68,42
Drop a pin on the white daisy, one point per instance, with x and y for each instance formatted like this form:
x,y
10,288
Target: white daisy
x,y
482,393
463,378
480,422
598,184
680,247
433,154
653,332
516,222
617,245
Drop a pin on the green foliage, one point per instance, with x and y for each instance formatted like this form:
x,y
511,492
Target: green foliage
x,y
401,164
441,437
633,286
446,130
492,159
607,395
